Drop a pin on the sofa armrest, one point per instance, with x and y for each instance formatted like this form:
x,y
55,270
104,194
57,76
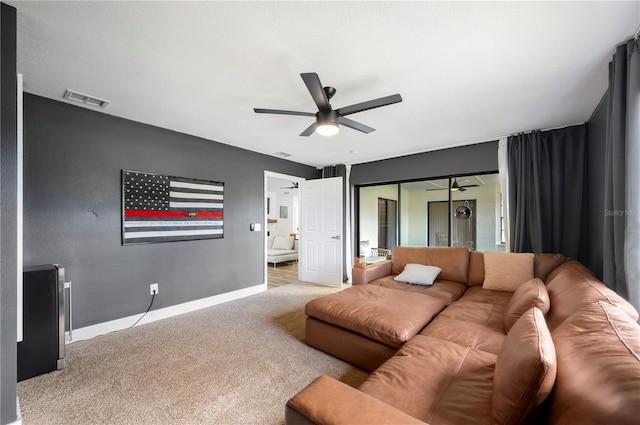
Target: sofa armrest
x,y
364,275
328,401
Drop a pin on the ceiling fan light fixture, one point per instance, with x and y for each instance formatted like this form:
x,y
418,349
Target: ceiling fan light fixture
x,y
328,129
455,186
327,123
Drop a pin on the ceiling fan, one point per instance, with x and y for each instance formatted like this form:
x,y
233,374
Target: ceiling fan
x,y
328,120
294,185
456,187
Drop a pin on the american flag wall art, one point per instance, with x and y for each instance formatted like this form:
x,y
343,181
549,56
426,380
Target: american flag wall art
x,y
159,208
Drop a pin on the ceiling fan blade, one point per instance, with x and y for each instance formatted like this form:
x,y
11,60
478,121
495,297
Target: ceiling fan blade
x,y
371,104
355,125
470,185
318,94
281,112
310,130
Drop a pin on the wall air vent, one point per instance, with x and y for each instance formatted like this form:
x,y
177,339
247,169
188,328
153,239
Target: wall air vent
x,y
86,99
283,154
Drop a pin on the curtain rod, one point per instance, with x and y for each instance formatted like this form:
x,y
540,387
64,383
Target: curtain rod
x,y
543,129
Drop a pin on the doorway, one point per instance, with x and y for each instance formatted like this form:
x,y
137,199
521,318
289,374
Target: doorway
x,y
282,221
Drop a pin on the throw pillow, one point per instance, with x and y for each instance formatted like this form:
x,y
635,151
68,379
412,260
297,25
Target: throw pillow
x,y
532,293
283,242
365,248
525,370
505,271
418,274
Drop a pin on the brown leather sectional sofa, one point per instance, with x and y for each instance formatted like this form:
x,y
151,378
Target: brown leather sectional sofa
x,y
562,349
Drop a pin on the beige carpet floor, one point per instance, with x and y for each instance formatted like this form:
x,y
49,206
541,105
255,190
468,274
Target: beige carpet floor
x,y
235,363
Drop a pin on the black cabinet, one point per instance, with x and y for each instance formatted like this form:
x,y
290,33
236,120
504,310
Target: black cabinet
x,y
42,347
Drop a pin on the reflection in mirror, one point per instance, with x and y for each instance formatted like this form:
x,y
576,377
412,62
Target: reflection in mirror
x,y
425,213
378,220
422,216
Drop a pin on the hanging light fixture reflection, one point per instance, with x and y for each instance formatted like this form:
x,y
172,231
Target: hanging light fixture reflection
x,y
455,186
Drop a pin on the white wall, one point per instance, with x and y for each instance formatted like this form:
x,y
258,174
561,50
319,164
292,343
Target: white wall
x,y
369,209
282,197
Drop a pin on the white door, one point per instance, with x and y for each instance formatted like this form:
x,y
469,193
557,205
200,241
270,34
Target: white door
x,y
321,231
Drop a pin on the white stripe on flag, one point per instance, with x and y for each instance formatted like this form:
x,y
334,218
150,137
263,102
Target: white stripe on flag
x,y
171,223
195,195
194,205
196,186
160,234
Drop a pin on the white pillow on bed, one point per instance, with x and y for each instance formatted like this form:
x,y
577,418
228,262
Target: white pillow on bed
x,y
283,242
418,274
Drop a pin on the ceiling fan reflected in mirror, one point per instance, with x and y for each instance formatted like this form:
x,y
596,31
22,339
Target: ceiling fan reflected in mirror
x,y
328,120
456,187
294,185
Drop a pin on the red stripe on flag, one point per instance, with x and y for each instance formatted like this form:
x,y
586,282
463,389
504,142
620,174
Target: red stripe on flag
x,y
209,214
144,213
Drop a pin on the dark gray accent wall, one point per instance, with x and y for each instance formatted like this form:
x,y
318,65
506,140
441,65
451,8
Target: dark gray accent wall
x,y
593,232
471,159
8,214
72,210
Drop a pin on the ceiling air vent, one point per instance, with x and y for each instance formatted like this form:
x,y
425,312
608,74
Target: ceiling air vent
x,y
85,98
283,154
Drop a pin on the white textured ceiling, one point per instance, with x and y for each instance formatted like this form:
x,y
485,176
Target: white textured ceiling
x,y
467,71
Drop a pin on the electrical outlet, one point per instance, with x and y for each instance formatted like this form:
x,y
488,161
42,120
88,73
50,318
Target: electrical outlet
x,y
153,288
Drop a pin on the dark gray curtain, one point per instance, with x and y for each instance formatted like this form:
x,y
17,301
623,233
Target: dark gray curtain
x,y
545,190
339,170
621,146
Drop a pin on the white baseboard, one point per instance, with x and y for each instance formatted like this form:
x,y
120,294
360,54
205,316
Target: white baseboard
x,y
92,331
18,413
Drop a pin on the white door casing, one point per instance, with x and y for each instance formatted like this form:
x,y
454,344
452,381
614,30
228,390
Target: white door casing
x,y
321,231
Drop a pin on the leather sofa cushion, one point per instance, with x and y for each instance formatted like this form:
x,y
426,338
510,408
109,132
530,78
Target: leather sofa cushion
x,y
477,325
530,294
436,381
445,290
328,401
525,370
466,334
481,295
382,314
454,262
571,286
544,264
485,314
590,390
505,271
476,268
346,345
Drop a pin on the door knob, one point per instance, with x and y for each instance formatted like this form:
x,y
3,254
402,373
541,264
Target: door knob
x,y
335,237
